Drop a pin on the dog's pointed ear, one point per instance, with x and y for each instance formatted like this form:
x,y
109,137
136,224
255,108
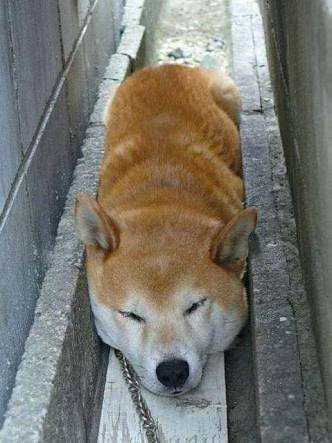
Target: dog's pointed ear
x,y
94,226
230,246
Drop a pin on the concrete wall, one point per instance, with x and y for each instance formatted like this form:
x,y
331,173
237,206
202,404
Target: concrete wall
x,y
53,54
59,385
300,51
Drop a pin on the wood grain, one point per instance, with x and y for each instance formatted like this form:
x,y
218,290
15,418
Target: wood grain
x,y
197,417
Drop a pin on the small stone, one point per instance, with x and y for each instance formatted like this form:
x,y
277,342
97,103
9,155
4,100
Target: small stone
x,y
283,319
217,43
176,53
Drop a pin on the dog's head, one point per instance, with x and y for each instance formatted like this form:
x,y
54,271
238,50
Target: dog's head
x,y
165,288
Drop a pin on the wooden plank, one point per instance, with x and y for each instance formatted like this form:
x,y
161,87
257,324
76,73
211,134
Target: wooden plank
x,y
197,417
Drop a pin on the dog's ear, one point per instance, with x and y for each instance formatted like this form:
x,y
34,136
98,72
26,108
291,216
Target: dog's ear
x,y
230,245
94,226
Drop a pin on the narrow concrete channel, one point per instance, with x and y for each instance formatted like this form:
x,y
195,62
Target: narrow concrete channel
x,y
270,379
273,392
197,33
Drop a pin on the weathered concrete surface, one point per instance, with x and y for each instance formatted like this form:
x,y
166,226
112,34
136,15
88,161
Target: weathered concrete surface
x,y
131,44
36,46
132,13
51,396
288,386
73,14
9,124
59,385
240,390
300,50
118,67
96,61
48,189
53,55
17,253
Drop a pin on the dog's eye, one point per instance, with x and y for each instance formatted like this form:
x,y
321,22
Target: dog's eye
x,y
194,306
132,316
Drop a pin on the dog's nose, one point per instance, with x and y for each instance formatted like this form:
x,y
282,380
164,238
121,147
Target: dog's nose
x,y
173,373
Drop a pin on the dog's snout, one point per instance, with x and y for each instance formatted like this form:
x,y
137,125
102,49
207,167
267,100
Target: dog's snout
x,y
173,373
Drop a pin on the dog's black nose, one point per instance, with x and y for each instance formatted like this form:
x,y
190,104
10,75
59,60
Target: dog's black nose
x,y
173,373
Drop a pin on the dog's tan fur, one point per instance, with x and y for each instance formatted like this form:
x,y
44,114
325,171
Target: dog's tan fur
x,y
169,209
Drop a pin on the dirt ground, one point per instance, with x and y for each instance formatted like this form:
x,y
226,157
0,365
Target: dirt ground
x,y
194,32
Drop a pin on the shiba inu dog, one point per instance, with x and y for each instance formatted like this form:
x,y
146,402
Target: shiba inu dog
x,y
167,238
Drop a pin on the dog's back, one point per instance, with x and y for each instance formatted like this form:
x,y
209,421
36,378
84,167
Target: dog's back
x,y
167,240
172,139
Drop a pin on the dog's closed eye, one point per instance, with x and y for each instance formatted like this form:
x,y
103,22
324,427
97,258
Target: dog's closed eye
x,y
132,316
194,306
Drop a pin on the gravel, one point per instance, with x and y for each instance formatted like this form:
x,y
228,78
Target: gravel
x,y
194,33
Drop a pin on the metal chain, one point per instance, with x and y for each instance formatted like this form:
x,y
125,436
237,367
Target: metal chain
x,y
132,379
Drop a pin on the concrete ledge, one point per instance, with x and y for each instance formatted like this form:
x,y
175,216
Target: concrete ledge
x,y
131,44
57,378
132,14
289,394
55,349
118,68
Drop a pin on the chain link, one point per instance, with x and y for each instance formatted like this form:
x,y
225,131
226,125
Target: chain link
x,y
132,379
